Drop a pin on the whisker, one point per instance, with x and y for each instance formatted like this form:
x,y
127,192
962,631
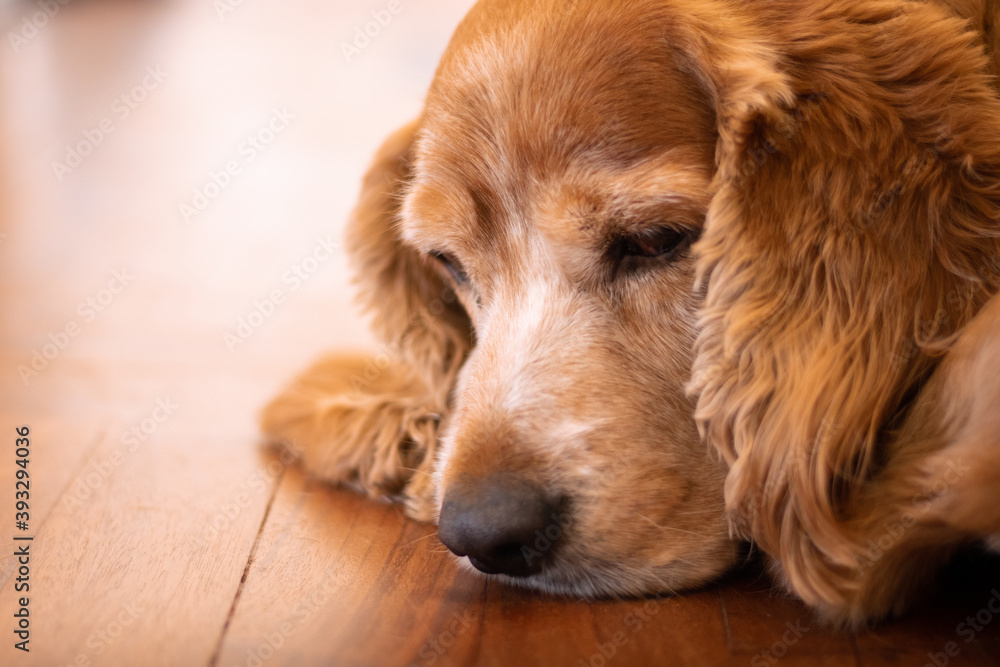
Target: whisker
x,y
667,586
665,528
707,512
420,538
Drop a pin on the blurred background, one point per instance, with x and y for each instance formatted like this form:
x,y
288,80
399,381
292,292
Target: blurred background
x,y
175,176
117,122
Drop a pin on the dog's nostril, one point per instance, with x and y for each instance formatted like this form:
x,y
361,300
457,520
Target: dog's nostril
x,y
504,525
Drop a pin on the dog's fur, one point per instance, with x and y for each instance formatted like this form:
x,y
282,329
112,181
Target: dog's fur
x,y
832,335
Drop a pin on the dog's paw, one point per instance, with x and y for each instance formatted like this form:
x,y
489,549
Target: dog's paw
x,y
962,478
962,484
361,420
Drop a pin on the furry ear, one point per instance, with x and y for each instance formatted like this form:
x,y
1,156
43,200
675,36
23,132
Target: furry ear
x,y
854,231
373,421
414,310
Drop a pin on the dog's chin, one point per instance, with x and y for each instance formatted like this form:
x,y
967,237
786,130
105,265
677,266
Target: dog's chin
x,y
608,580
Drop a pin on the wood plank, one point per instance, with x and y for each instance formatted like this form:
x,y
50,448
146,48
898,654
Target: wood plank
x,y
57,453
944,629
154,554
767,626
196,547
338,575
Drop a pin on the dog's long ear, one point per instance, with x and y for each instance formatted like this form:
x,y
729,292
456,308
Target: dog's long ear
x,y
373,420
415,311
853,232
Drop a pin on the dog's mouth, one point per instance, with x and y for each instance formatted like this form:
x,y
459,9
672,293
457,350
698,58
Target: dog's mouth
x,y
553,557
508,559
581,580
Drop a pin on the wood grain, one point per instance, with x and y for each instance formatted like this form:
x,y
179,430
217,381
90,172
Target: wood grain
x,y
164,533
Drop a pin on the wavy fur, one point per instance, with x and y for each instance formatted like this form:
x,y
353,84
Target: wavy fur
x,y
853,235
835,325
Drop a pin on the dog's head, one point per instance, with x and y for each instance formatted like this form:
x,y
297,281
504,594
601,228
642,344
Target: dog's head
x,y
605,206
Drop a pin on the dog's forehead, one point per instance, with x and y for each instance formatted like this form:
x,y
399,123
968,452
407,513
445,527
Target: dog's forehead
x,y
524,97
547,86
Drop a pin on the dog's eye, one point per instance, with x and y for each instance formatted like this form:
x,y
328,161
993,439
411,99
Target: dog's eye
x,y
658,242
452,266
647,249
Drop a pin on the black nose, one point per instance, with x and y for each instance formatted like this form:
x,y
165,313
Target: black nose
x,y
505,525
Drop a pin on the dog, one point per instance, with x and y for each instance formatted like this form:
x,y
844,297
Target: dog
x,y
660,278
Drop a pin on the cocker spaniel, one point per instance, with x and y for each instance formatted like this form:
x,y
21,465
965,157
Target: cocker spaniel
x,y
658,277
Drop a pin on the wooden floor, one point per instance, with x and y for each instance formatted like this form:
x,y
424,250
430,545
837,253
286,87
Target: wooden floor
x,y
140,332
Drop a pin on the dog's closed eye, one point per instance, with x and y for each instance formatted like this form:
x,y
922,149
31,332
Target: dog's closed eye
x,y
452,267
647,248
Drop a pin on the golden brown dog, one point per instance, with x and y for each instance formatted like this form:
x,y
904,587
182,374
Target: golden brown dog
x,y
658,276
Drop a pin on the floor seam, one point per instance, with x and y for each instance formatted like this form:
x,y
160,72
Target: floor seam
x,y
214,660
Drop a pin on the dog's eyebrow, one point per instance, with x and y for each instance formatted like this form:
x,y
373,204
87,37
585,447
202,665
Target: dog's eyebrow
x,y
673,211
643,196
432,212
486,207
437,219
664,180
